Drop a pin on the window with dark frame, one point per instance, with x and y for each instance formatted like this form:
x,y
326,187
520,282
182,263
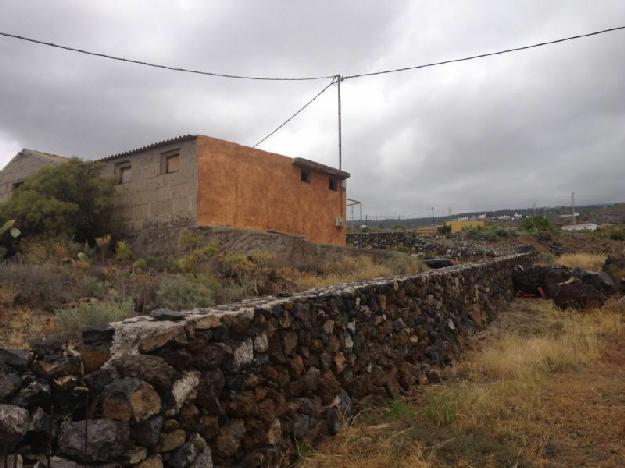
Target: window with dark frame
x,y
172,163
305,175
333,184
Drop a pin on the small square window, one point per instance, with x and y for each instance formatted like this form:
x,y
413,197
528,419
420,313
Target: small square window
x,y
124,172
172,163
18,184
333,184
305,175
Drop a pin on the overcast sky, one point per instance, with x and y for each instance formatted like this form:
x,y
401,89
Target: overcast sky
x,y
501,132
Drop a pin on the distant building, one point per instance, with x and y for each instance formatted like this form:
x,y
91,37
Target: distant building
x,y
24,164
580,227
202,181
457,226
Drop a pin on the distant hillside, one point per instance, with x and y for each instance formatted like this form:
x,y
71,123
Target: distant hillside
x,y
604,213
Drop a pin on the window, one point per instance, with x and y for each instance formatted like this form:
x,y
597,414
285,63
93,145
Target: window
x,y
172,163
333,184
124,172
305,175
17,184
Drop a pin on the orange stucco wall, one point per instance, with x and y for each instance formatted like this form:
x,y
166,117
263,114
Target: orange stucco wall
x,y
248,188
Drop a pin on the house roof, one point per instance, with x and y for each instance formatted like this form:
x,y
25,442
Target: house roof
x,y
41,155
302,162
177,139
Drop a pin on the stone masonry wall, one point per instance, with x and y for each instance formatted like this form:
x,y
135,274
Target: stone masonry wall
x,y
152,197
439,246
238,385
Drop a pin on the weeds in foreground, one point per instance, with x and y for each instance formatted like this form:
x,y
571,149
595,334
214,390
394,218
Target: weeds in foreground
x,y
72,320
494,411
585,261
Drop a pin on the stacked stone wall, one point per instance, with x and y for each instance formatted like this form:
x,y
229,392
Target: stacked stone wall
x,y
242,384
426,245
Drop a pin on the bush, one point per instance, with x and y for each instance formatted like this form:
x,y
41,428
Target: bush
x,y
617,235
122,250
402,264
72,321
70,199
197,261
8,237
444,230
480,234
537,223
187,291
36,285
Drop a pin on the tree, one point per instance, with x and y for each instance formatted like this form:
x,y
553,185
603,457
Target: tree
x,y
71,199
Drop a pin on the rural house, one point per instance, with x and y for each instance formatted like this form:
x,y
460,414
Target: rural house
x,y
202,181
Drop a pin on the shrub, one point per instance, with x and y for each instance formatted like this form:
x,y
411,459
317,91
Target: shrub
x,y
122,250
42,286
246,270
617,235
72,321
140,264
70,199
39,249
538,223
480,234
402,264
197,261
444,229
8,235
187,291
103,244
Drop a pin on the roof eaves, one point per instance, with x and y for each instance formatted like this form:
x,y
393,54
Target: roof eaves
x,y
302,162
158,144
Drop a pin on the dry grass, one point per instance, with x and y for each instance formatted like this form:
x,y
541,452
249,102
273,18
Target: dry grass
x,y
585,261
495,410
351,269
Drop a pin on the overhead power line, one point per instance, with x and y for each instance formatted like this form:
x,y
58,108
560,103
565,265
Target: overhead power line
x,y
488,54
305,78
165,67
335,80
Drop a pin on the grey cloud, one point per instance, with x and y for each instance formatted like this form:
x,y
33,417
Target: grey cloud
x,y
500,132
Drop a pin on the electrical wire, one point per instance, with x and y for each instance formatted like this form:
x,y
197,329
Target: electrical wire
x,y
488,54
165,67
297,112
334,77
306,78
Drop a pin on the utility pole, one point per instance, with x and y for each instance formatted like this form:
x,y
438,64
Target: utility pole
x,y
573,208
433,223
338,87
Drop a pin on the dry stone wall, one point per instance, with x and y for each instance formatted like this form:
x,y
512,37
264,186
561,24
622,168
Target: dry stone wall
x,y
451,248
239,385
